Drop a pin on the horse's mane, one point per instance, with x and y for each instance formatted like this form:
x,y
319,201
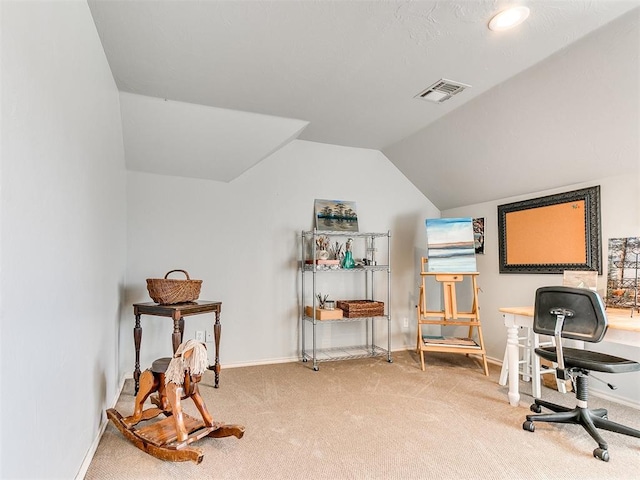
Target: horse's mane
x,y
196,363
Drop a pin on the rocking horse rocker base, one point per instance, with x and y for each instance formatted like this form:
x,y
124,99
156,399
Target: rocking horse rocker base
x,y
159,439
171,438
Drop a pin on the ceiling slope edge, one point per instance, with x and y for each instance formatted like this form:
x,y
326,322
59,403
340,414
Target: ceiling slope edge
x,y
188,140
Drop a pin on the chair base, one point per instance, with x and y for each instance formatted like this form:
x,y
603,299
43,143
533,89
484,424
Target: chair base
x,y
590,420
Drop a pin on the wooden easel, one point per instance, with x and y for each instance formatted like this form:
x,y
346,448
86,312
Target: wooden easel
x,y
450,316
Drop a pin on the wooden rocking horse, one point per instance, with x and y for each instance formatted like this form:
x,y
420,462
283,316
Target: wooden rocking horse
x,y
174,379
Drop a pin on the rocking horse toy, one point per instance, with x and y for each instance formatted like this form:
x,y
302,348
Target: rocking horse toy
x,y
174,379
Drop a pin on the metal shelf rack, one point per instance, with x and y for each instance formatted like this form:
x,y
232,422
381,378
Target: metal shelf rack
x,y
369,272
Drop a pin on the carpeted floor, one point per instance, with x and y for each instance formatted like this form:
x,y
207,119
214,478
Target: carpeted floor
x,y
368,419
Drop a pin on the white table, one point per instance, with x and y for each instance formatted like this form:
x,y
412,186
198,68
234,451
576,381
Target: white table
x,y
623,329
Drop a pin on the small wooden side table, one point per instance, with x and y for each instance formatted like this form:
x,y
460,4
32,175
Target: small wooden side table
x,y
177,312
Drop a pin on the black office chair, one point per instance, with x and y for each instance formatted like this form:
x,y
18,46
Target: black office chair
x,y
578,314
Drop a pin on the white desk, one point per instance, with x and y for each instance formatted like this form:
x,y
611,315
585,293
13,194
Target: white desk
x,y
623,329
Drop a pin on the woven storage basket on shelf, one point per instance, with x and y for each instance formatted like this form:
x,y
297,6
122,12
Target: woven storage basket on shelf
x,y
361,308
167,291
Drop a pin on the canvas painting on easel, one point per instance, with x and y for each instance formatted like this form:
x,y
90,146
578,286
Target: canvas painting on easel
x,y
450,245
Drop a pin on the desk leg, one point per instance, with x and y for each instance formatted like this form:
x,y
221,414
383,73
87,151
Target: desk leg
x,y
536,381
512,353
176,336
137,339
216,334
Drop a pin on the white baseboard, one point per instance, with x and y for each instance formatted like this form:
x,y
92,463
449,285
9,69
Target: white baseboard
x,y
289,360
615,398
270,361
297,359
96,441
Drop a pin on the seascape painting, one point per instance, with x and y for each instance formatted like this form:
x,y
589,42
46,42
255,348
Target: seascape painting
x,y
450,245
336,215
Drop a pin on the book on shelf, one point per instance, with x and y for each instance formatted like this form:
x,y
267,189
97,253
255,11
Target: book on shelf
x,y
449,341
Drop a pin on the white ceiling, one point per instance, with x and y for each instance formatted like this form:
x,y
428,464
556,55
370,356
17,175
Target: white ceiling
x,y
339,72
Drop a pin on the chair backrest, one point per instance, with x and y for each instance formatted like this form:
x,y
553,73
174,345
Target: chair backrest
x,y
588,321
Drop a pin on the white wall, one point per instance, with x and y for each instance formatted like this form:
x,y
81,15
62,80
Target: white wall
x,y
62,240
157,131
620,217
571,118
242,239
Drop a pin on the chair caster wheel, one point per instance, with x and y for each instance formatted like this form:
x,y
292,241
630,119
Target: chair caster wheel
x,y
305,360
602,454
315,369
530,427
535,408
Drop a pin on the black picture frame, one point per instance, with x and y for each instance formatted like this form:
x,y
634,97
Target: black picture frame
x,y
514,217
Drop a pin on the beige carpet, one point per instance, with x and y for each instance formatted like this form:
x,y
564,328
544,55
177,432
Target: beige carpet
x,y
368,419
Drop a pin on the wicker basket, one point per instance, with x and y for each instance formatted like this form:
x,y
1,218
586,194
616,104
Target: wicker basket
x,y
361,308
167,291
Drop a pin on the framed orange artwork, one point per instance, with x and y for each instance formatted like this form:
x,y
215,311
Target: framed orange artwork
x,y
551,234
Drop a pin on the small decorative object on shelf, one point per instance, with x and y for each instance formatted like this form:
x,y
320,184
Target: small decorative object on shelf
x,y
335,252
325,255
370,259
348,261
322,255
323,314
321,299
325,309
322,248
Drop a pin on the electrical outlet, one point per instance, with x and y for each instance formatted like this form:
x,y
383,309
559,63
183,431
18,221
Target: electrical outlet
x,y
209,336
200,336
405,322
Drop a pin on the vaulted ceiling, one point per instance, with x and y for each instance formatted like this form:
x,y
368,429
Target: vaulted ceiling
x,y
213,87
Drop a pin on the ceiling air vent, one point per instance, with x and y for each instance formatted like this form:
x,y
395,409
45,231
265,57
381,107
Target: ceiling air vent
x,y
441,90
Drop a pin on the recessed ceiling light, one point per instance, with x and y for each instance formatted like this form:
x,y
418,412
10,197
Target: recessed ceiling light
x,y
508,18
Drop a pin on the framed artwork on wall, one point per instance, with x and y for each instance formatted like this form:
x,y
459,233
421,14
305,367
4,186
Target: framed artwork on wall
x,y
478,235
551,234
623,273
336,215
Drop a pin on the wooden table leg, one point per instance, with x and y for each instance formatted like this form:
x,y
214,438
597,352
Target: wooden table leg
x,y
176,336
513,358
137,338
216,334
181,324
